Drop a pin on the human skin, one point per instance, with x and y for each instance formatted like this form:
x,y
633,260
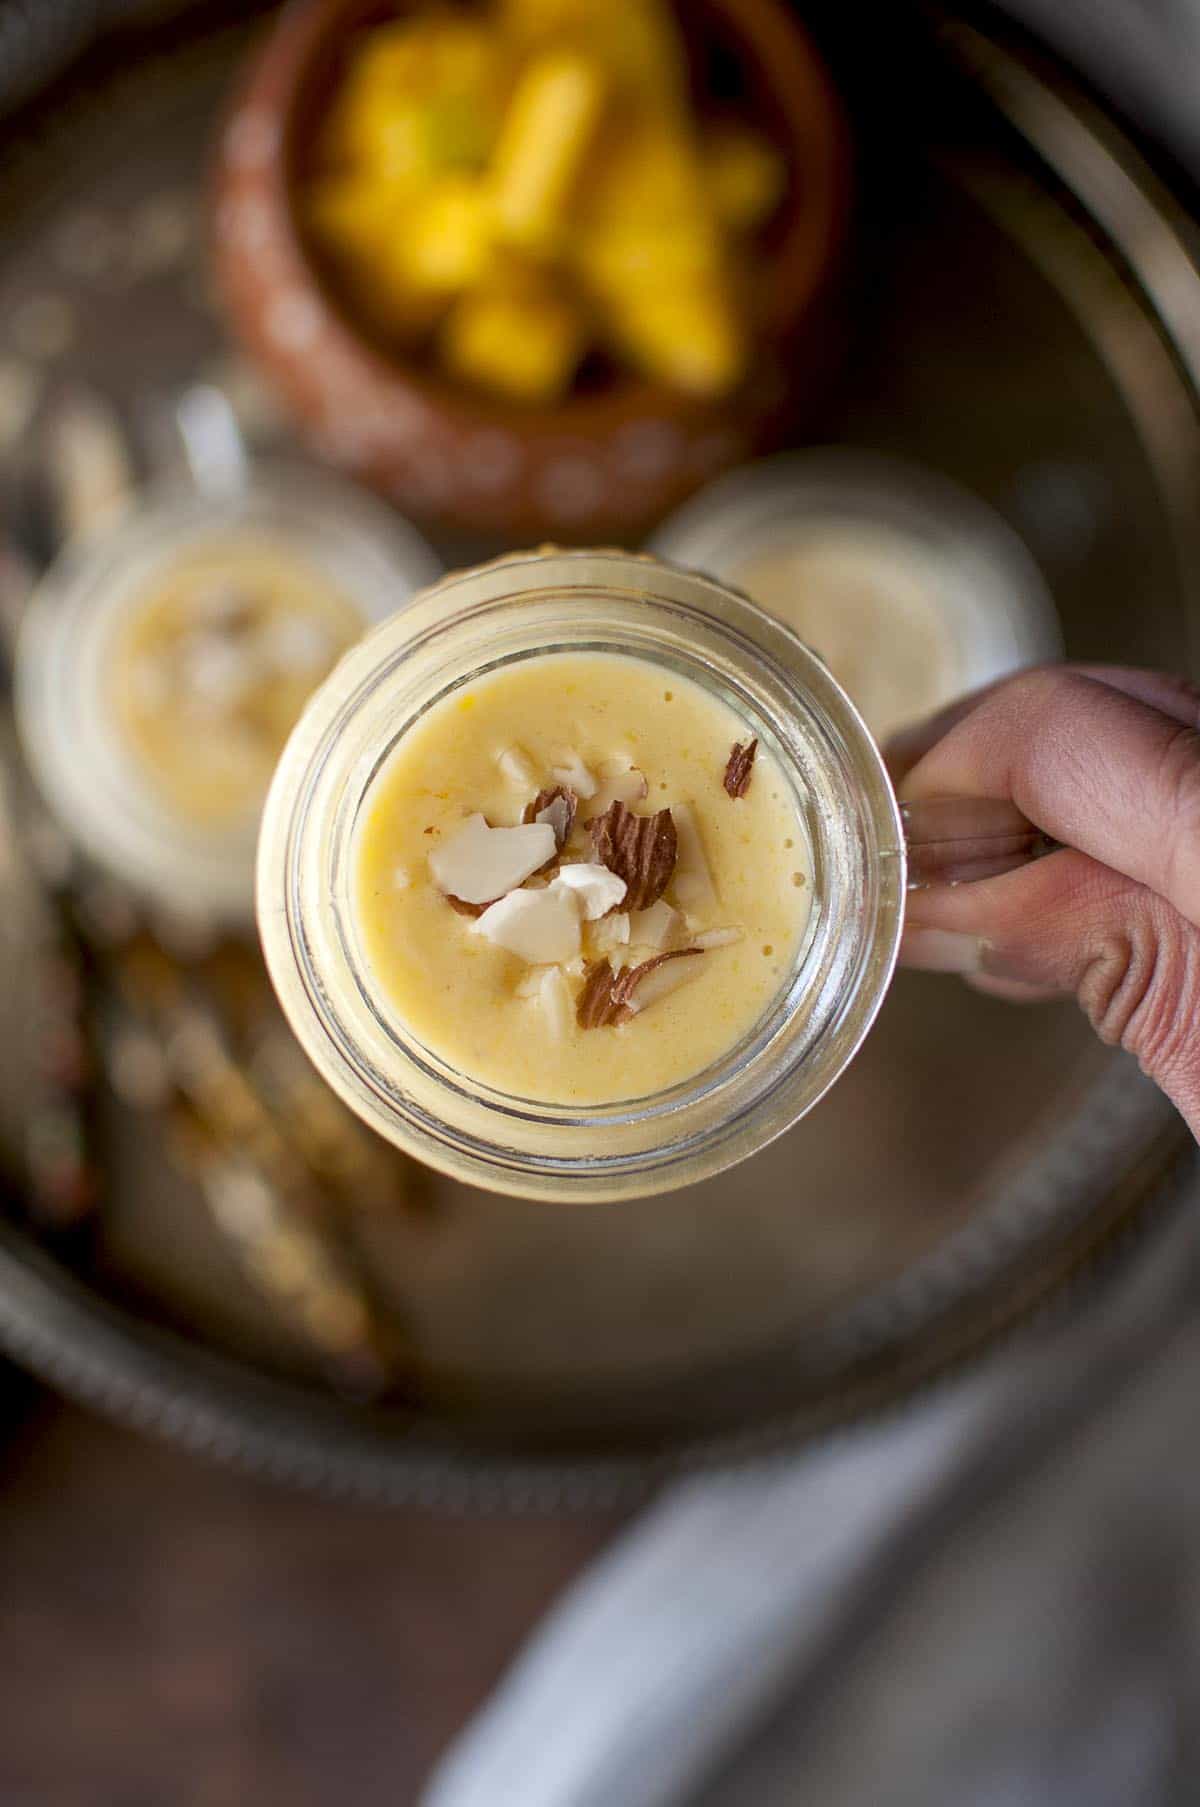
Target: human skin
x,y
1106,761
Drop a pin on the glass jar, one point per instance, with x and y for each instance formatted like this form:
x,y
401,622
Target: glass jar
x,y
478,621
912,589
98,787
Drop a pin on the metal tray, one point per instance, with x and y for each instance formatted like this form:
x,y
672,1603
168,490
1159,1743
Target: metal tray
x,y
1025,323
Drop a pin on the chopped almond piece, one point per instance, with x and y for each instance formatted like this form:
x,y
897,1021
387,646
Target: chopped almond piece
x,y
479,863
540,927
597,889
718,938
655,927
517,767
553,998
695,892
740,767
607,934
639,849
559,807
620,782
612,997
571,771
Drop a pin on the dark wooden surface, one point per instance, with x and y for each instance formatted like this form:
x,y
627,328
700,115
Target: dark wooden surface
x,y
173,1633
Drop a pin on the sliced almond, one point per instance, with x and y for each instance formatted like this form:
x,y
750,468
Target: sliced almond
x,y
597,889
639,849
656,927
607,935
558,807
658,980
613,997
547,987
541,927
740,767
695,892
478,864
719,938
517,767
572,772
620,782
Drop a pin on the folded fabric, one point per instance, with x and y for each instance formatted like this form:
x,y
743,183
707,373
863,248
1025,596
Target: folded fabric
x,y
733,1593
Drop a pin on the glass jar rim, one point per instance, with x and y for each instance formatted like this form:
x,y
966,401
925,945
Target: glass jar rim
x,y
520,606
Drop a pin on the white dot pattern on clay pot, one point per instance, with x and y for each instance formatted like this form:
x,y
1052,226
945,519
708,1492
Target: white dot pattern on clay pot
x,y
646,449
491,460
569,487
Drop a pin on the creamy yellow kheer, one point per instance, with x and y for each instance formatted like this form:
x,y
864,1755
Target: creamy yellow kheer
x,y
212,665
547,830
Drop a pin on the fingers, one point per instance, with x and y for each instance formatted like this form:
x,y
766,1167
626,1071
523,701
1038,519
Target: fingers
x,y
1069,924
1176,697
1091,765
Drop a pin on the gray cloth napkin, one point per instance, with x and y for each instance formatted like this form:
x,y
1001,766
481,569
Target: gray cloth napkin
x,y
932,1609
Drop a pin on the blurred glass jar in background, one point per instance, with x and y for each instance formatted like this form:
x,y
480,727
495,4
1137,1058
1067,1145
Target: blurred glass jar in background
x,y
163,663
912,591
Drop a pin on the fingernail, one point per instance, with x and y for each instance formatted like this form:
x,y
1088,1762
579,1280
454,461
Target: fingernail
x,y
941,951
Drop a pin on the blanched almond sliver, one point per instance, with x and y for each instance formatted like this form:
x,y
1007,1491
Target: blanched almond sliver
x,y
541,927
694,889
597,889
620,782
607,935
517,767
662,981
656,927
718,938
571,771
478,864
555,1002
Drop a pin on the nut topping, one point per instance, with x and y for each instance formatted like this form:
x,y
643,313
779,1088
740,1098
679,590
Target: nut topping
x,y
479,863
609,997
640,849
740,767
558,807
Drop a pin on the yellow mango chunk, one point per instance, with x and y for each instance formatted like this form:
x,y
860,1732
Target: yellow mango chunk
x,y
447,235
636,42
524,345
545,135
351,215
688,338
419,98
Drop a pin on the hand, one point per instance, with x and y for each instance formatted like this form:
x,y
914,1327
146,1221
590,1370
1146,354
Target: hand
x,y
1105,761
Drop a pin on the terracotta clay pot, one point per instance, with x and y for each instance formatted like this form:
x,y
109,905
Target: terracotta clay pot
x,y
602,464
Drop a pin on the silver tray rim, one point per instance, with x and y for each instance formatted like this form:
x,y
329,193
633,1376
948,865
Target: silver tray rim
x,y
71,1336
